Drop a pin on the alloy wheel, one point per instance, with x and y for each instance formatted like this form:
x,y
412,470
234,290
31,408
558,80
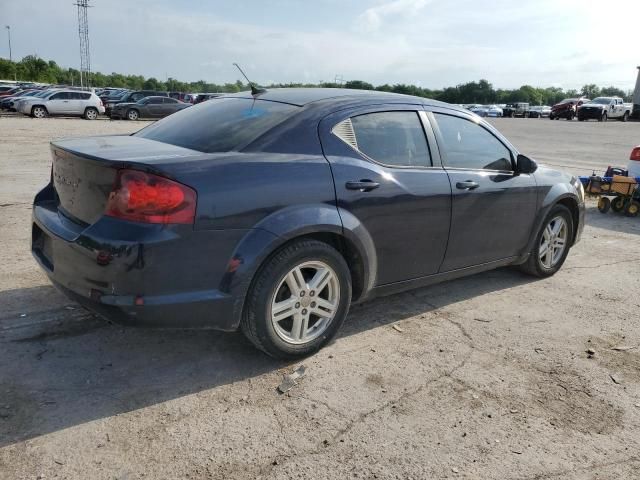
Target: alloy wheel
x,y
305,302
39,112
132,115
91,114
553,242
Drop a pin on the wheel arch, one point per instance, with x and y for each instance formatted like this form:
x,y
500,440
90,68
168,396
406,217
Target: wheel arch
x,y
560,194
319,222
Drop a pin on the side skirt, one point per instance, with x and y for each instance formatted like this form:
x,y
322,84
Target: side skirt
x,y
397,287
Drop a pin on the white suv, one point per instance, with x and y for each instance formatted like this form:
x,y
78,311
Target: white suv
x,y
63,102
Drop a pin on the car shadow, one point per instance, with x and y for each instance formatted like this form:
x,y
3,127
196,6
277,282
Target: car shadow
x,y
84,370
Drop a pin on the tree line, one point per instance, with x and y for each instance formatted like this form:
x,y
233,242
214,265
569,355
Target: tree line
x,y
35,69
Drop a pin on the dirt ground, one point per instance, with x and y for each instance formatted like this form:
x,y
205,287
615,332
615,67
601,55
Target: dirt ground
x,y
486,377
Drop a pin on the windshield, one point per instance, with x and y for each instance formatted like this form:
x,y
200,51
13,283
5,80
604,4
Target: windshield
x,y
221,125
601,101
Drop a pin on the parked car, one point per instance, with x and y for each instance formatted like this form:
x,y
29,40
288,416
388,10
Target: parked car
x,y
7,103
273,213
148,107
567,108
603,108
132,97
480,110
634,163
518,109
203,97
63,102
494,111
535,112
8,91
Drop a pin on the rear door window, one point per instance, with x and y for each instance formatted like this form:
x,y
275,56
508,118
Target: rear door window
x,y
221,126
468,145
392,138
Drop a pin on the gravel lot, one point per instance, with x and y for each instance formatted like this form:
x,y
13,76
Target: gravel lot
x,y
483,378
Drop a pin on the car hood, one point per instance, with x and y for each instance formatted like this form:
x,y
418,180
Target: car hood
x,y
596,105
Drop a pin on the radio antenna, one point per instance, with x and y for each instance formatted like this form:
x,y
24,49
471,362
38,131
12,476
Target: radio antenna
x,y
255,90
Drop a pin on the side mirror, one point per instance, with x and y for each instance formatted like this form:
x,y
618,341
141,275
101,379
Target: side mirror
x,y
525,165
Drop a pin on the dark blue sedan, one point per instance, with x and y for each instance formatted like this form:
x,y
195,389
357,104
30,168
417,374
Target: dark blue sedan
x,y
274,212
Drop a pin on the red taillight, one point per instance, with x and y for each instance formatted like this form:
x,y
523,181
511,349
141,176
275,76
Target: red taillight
x,y
635,154
148,198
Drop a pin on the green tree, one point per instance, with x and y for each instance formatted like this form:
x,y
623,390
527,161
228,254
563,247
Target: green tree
x,y
358,84
590,91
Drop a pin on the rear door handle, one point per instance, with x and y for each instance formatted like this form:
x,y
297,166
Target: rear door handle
x,y
362,185
468,185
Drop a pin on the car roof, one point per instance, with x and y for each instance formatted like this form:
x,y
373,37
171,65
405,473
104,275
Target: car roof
x,y
305,96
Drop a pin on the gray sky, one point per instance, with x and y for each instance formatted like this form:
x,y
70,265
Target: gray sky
x,y
432,43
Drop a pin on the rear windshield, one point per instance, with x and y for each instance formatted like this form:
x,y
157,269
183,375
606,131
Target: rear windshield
x,y
219,125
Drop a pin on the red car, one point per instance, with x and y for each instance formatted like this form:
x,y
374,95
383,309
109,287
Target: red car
x,y
7,91
567,108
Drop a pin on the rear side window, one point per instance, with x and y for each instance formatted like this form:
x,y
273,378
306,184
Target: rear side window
x,y
85,96
392,138
219,126
465,144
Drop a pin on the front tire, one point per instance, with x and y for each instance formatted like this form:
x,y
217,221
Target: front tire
x,y
298,300
552,244
603,118
38,112
618,204
625,117
133,115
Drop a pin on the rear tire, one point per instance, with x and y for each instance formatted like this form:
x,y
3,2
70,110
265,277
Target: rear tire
x,y
284,337
545,244
90,113
39,112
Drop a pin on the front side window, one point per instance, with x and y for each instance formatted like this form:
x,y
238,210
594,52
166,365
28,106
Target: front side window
x,y
466,144
392,138
59,96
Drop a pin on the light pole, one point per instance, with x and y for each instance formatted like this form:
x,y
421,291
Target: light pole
x,y
10,55
9,34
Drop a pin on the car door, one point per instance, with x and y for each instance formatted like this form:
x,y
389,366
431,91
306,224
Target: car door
x,y
493,208
155,107
169,106
76,104
58,103
390,181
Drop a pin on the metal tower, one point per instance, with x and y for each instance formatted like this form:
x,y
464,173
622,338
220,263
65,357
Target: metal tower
x,y
83,33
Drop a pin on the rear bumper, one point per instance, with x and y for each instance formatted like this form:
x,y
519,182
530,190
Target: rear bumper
x,y
139,274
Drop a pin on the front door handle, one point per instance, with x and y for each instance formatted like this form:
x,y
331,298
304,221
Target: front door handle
x,y
468,185
362,185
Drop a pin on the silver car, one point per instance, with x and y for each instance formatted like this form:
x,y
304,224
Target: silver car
x,y
63,102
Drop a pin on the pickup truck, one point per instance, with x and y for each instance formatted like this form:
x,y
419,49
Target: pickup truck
x,y
604,108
